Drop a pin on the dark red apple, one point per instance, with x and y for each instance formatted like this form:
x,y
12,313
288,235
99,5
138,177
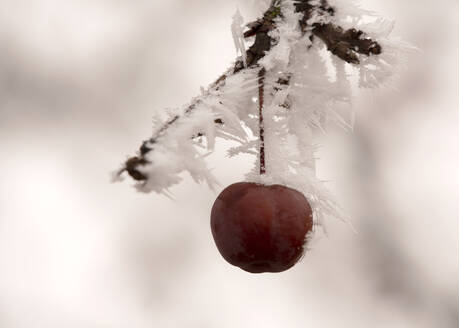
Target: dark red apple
x,y
261,228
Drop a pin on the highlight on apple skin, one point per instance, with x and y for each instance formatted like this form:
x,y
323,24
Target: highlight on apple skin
x,y
261,228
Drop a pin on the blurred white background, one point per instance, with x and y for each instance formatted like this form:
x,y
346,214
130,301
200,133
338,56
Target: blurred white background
x,y
79,81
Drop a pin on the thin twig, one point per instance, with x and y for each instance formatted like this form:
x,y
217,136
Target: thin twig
x,y
261,96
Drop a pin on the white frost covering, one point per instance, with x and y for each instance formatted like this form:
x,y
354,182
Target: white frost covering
x,y
292,114
237,29
374,71
176,149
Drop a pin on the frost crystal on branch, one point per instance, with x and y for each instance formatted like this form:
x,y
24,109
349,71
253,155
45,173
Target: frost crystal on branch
x,y
290,45
238,35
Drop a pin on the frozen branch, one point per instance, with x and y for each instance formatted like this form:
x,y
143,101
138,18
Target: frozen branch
x,y
317,20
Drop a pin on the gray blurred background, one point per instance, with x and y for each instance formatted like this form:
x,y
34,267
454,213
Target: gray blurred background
x,y
79,81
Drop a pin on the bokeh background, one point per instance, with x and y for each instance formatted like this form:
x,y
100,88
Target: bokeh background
x,y
79,81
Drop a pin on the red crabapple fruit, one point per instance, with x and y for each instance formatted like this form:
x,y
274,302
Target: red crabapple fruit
x,y
261,228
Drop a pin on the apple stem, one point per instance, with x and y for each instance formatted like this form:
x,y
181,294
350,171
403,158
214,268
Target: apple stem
x,y
261,91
